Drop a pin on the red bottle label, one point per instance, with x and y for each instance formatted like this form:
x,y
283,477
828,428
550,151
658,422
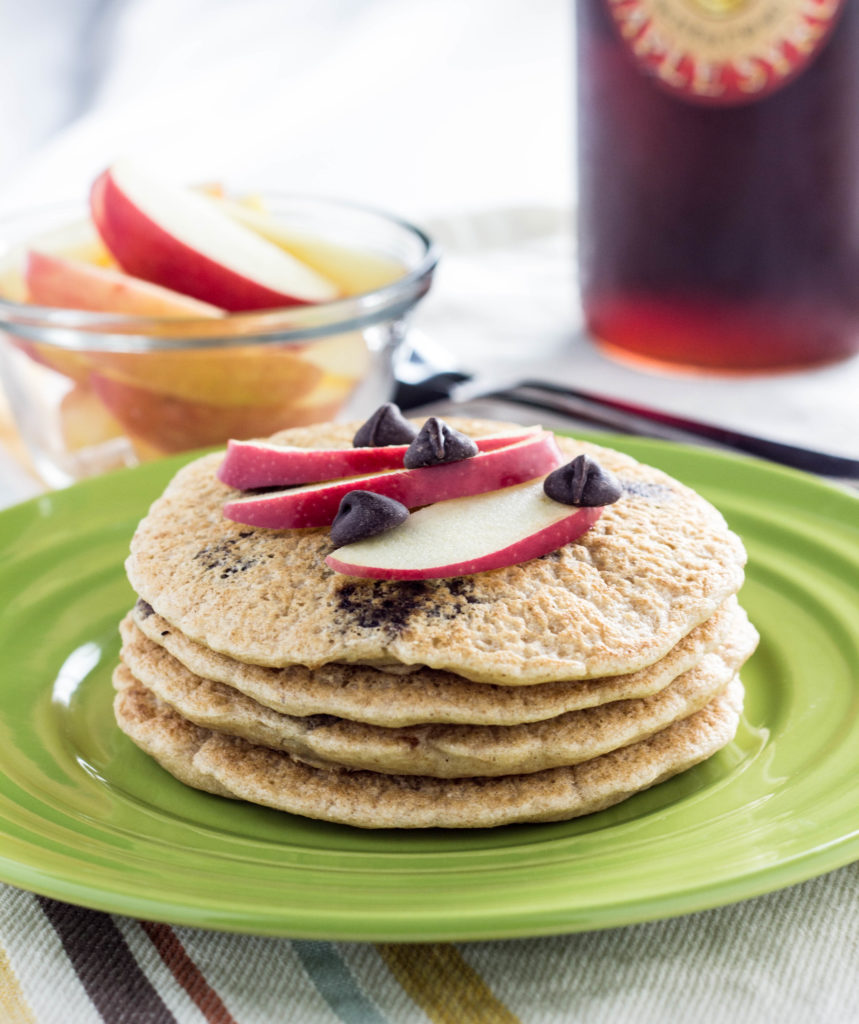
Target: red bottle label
x,y
724,52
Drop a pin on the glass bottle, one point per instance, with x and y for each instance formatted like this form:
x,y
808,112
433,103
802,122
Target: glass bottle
x,y
719,180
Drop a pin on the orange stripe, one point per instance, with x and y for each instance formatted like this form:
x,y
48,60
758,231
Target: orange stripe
x,y
447,989
186,972
14,1008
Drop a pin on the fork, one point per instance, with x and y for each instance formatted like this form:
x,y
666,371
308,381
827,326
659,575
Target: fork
x,y
626,417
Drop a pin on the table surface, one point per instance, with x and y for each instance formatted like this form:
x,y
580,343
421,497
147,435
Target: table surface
x,y
505,287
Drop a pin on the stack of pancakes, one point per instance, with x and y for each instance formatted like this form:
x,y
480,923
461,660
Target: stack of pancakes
x,y
537,692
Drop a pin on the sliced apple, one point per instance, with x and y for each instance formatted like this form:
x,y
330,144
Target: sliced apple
x,y
317,504
177,238
354,271
84,420
330,390
249,464
70,284
12,285
76,241
343,355
65,361
170,423
228,377
467,535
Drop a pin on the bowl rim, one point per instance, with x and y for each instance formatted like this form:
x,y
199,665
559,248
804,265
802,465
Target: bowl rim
x,y
84,330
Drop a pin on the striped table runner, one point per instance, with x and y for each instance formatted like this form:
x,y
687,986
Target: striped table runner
x,y
790,957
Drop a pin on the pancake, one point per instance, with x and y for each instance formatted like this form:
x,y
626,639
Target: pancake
x,y
440,751
658,563
427,696
231,766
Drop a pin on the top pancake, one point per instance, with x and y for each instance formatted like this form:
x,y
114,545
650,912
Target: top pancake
x,y
658,562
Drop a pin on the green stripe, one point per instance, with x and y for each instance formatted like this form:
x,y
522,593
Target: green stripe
x,y
336,984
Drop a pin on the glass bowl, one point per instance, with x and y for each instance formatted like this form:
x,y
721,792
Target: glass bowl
x,y
91,392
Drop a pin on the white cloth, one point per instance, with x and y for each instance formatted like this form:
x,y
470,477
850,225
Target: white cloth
x,y
415,105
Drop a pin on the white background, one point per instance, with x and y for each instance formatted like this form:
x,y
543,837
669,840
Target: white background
x,y
422,106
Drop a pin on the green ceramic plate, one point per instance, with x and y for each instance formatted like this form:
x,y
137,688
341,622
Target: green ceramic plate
x,y
87,818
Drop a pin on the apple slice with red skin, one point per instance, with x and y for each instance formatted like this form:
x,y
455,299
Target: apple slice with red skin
x,y
317,504
250,464
467,535
178,239
173,423
69,284
244,375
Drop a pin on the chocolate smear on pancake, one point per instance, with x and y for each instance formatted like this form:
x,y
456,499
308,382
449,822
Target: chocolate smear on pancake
x,y
394,606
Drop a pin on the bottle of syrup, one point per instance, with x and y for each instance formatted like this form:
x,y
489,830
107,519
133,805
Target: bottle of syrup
x,y
719,180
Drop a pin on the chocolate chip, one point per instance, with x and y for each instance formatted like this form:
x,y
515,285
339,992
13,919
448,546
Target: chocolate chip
x,y
438,443
386,426
364,514
583,482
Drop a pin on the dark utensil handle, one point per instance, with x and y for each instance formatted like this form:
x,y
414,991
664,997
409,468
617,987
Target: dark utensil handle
x,y
822,463
630,417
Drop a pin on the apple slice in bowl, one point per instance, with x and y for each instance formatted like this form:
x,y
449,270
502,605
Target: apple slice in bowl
x,y
176,238
168,423
72,284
